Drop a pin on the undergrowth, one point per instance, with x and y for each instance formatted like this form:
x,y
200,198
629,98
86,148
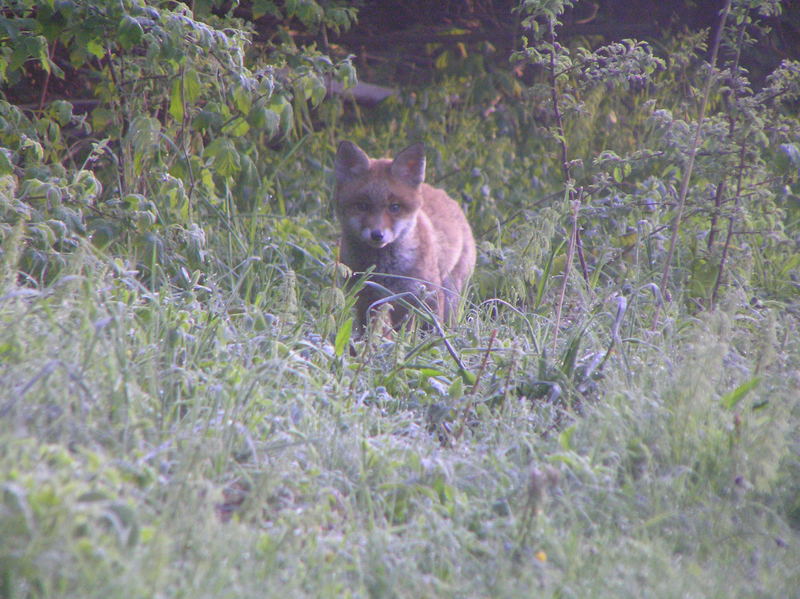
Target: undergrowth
x,y
184,410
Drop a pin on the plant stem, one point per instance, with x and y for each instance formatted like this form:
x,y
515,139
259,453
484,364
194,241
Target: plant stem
x,y
687,173
572,200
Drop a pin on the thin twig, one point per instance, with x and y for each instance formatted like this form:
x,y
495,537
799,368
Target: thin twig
x,y
731,219
575,205
483,362
566,171
471,393
739,170
43,96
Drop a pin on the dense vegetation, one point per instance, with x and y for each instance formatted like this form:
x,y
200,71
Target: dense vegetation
x,y
184,410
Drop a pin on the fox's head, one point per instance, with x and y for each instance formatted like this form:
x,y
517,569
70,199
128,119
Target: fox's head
x,y
378,201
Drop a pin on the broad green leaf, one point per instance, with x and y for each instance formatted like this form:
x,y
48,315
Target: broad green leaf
x,y
224,157
191,86
61,111
312,88
729,400
207,179
145,137
176,100
287,118
343,337
237,127
102,117
346,74
95,47
261,117
129,32
468,377
6,162
265,7
429,372
242,99
565,438
456,390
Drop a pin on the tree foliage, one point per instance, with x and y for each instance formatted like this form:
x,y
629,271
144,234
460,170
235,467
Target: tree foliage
x,y
179,129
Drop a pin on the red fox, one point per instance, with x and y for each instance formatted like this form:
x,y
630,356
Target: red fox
x,y
415,236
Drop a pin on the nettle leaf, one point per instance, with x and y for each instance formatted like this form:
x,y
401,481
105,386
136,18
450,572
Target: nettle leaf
x,y
308,11
31,149
312,87
207,120
85,187
60,111
237,127
95,47
49,132
191,86
6,162
145,137
282,106
346,74
29,46
224,156
176,100
207,180
242,99
261,117
129,32
102,117
265,7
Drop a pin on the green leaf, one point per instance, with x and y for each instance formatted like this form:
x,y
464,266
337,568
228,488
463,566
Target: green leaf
x,y
242,99
237,127
129,32
346,74
265,7
729,400
176,100
565,438
343,337
191,87
261,117
456,390
61,111
95,47
429,372
312,88
287,118
6,163
224,157
101,118
145,136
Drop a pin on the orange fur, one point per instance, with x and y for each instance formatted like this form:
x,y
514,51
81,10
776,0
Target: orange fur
x,y
414,235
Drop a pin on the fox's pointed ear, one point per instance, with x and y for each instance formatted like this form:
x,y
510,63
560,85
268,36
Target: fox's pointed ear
x,y
409,165
351,161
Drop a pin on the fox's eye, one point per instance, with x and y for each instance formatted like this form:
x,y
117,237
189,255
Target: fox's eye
x,y
394,208
362,206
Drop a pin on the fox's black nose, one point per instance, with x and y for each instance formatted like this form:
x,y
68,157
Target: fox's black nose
x,y
377,235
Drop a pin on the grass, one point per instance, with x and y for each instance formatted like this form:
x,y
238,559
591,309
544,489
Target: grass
x,y
184,443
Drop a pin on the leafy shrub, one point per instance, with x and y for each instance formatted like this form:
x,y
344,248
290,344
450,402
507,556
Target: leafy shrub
x,y
180,132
